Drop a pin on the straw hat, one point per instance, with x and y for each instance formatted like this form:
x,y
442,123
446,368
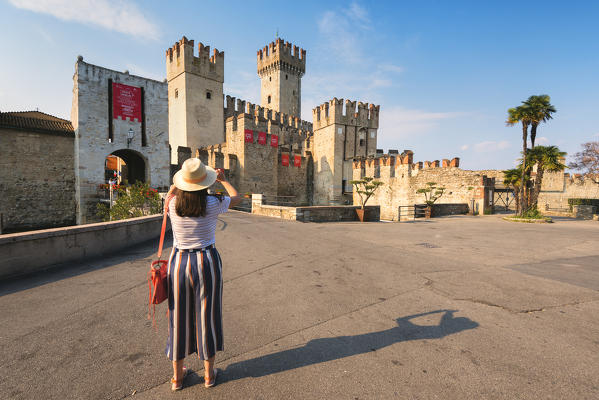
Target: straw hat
x,y
194,175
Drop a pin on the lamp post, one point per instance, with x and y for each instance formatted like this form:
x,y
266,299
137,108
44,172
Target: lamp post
x,y
129,137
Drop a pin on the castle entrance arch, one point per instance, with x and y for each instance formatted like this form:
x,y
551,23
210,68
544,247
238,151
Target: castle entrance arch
x,y
127,166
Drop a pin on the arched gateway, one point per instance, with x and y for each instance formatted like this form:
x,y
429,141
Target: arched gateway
x,y
115,113
130,166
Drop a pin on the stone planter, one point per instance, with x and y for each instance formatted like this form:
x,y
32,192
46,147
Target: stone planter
x,y
360,213
369,214
427,212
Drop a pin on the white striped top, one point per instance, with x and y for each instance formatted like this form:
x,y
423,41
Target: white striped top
x,y
196,232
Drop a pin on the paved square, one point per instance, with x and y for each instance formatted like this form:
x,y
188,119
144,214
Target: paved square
x,y
451,308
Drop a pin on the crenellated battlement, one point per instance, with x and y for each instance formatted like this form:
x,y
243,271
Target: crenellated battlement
x,y
281,55
236,107
336,112
406,158
180,58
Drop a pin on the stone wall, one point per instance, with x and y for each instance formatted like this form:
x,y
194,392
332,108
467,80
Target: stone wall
x,y
558,187
38,181
442,209
402,178
312,213
29,252
90,119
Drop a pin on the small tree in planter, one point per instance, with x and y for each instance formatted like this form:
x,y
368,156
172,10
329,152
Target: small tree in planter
x,y
431,193
365,188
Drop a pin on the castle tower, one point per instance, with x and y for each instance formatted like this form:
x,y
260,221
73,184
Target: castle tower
x,y
195,96
281,67
341,134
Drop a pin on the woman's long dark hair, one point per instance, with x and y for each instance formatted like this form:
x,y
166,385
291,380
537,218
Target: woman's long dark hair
x,y
192,204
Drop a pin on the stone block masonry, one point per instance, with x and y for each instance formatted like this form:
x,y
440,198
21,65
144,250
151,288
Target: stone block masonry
x,y
341,134
38,181
281,66
195,95
90,115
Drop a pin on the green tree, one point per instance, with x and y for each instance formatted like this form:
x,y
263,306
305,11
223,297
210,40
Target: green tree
x,y
546,158
365,188
540,110
513,178
431,193
521,114
133,201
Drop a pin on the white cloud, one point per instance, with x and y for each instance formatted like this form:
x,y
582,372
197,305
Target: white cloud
x,y
114,15
491,145
464,147
541,140
596,135
358,14
398,122
390,68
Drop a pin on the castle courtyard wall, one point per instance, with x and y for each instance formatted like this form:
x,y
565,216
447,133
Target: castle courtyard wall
x,y
37,181
401,180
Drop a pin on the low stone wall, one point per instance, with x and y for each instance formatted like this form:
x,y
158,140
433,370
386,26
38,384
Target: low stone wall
x,y
313,213
583,212
23,253
336,213
441,209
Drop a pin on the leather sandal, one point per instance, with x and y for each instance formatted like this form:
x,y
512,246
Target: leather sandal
x,y
211,382
177,384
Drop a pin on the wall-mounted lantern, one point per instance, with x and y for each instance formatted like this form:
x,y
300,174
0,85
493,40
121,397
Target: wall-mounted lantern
x,y
129,137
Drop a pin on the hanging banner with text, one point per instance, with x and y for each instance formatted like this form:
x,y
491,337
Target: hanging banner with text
x,y
285,160
126,102
274,140
262,138
249,136
297,161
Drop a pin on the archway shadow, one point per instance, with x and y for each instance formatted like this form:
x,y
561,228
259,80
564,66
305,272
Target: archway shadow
x,y
327,349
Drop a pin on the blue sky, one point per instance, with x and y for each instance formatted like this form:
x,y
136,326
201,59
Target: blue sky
x,y
444,72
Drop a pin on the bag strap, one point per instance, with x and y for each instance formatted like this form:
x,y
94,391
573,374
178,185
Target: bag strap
x,y
162,232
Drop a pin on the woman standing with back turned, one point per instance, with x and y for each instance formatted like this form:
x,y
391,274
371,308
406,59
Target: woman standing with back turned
x,y
194,270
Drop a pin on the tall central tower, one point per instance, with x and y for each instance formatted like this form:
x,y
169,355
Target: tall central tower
x,y
281,67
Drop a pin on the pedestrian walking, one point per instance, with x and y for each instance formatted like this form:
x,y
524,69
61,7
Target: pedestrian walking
x,y
195,283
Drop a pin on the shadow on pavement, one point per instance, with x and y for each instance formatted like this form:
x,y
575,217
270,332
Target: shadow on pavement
x,y
327,349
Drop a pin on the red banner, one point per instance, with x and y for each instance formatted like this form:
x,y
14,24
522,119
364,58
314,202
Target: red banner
x,y
274,140
285,160
249,136
297,161
126,102
262,138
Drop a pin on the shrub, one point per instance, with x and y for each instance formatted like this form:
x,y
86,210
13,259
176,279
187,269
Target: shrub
x,y
133,201
532,213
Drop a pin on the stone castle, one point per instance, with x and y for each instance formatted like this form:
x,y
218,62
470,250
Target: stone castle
x,y
266,148
153,126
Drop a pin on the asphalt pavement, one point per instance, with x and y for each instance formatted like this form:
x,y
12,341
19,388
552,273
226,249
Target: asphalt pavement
x,y
451,308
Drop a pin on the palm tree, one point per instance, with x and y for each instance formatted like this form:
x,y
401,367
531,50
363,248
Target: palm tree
x,y
547,158
512,178
515,115
540,110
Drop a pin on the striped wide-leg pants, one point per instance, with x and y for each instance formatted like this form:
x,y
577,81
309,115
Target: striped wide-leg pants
x,y
194,303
